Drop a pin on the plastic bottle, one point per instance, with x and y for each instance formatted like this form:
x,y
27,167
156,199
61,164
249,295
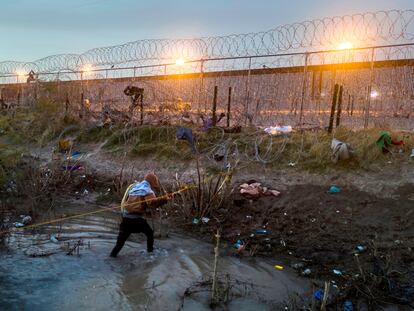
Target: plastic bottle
x,y
348,306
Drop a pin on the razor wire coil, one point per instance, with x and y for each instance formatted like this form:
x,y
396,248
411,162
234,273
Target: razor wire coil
x,y
364,29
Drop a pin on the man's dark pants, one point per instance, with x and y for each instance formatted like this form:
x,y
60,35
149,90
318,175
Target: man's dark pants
x,y
133,225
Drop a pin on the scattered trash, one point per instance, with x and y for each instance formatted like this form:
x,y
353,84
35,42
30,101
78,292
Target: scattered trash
x,y
72,168
18,224
54,239
340,150
307,271
291,164
348,306
240,246
26,220
279,267
337,272
412,153
85,192
298,265
195,221
64,145
75,155
261,231
205,220
361,248
275,130
334,189
318,294
255,190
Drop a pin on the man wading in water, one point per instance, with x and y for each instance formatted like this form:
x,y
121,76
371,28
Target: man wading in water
x,y
137,198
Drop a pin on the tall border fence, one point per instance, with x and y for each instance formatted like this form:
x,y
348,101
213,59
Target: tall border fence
x,y
299,85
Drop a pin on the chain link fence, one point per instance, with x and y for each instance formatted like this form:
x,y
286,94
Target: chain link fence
x,y
237,76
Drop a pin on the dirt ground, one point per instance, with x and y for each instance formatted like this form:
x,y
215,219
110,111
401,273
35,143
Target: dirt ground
x,y
321,231
314,231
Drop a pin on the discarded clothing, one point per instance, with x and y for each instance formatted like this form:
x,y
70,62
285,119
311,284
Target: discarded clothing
x,y
255,190
186,133
26,220
340,150
274,130
207,124
385,141
141,189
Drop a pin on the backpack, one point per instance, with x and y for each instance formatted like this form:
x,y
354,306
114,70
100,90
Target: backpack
x,y
136,206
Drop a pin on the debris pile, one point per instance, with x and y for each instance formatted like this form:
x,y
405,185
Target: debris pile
x,y
255,190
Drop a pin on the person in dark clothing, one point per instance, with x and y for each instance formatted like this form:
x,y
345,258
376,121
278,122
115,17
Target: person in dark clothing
x,y
138,197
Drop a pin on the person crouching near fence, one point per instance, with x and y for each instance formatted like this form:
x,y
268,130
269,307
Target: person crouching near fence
x,y
137,198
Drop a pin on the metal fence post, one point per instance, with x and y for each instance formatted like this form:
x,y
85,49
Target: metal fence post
x,y
228,107
248,90
214,117
200,90
305,70
58,85
371,78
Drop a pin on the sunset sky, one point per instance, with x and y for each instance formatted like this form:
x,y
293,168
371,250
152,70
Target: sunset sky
x,y
34,29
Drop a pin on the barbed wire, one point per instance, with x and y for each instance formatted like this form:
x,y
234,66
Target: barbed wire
x,y
365,29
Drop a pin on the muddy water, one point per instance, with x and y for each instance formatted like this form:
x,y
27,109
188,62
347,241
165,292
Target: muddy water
x,y
133,281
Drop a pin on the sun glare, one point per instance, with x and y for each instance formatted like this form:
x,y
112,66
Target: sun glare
x,y
180,62
345,46
374,94
87,68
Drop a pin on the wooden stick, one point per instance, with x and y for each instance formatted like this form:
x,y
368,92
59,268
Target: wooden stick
x,y
216,255
325,296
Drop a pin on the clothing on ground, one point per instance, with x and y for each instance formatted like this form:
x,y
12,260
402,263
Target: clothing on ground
x,y
186,133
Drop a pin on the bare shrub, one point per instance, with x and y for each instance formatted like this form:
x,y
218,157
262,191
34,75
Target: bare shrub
x,y
204,196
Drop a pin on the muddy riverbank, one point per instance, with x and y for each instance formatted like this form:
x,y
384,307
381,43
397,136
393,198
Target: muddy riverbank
x,y
37,274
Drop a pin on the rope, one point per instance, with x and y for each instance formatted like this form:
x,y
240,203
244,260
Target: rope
x,y
57,220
